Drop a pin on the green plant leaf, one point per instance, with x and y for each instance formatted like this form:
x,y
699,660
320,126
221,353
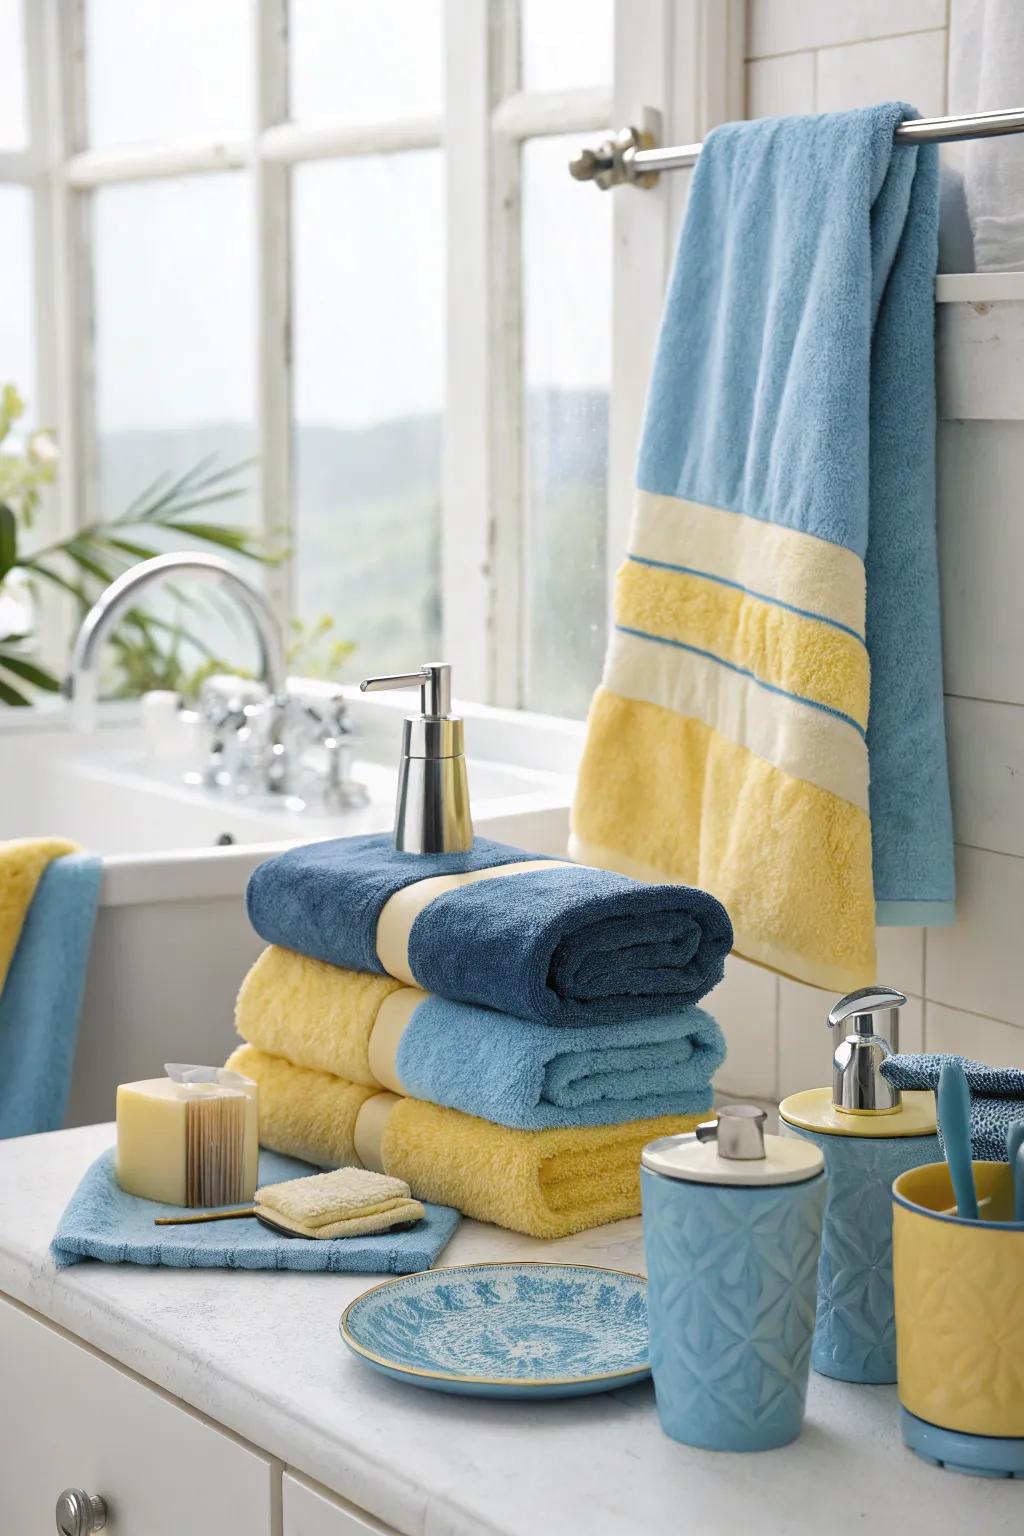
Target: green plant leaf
x,y
9,695
28,671
8,540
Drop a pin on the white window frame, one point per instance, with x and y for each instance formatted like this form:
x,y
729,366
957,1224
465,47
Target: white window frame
x,y
681,59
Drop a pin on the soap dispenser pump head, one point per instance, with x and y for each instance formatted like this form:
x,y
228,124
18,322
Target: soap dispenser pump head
x,y
432,807
858,1087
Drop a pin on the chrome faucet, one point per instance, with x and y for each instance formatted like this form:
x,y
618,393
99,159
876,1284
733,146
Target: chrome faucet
x,y
122,594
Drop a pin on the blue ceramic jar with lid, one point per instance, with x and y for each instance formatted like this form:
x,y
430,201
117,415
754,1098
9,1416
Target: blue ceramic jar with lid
x,y
869,1133
732,1229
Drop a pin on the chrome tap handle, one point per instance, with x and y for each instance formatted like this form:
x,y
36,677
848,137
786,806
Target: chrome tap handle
x,y
434,680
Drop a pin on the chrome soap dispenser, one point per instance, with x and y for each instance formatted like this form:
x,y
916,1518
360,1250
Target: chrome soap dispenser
x,y
869,1133
432,808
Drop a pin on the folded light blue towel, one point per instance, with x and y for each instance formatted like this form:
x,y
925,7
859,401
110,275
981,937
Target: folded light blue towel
x,y
42,996
997,1096
102,1222
560,944
531,1077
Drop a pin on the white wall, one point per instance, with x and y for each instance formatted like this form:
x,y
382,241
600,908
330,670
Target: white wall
x,y
966,983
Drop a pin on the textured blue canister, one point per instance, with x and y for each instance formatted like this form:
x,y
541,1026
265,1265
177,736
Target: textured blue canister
x,y
732,1262
855,1329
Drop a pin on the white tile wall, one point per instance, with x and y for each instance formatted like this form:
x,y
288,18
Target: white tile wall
x,y
965,982
910,68
998,1045
781,87
786,26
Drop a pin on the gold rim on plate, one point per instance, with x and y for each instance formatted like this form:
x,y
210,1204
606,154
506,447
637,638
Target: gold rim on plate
x,y
488,1381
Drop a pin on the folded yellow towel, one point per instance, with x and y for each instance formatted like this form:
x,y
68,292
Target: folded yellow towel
x,y
350,1202
22,862
544,1183
293,1006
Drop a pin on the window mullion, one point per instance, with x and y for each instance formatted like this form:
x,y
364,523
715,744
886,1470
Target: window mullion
x,y
273,297
482,351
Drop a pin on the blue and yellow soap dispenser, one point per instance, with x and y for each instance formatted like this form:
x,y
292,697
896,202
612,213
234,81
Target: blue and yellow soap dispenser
x,y
869,1133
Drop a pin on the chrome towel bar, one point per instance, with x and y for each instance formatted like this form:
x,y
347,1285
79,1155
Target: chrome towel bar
x,y
630,157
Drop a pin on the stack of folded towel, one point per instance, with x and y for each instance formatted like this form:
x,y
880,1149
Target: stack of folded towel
x,y
501,1031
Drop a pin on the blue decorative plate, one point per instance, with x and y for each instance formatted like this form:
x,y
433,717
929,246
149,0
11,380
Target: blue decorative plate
x,y
505,1330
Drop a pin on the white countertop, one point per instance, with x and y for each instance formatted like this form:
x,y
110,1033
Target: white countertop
x,y
260,1354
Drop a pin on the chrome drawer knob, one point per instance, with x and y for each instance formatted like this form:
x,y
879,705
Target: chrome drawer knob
x,y
80,1513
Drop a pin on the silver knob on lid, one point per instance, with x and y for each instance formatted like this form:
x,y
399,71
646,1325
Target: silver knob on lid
x,y
80,1513
858,1087
739,1131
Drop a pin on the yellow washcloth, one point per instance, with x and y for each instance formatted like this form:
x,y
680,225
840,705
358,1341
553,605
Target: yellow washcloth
x,y
545,1183
293,1006
350,1202
22,862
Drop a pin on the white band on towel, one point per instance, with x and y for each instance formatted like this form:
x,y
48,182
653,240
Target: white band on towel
x,y
368,1132
389,1026
805,742
781,564
402,909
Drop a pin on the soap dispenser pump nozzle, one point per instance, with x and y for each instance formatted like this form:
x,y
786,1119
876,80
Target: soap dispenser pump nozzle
x,y
432,808
858,1087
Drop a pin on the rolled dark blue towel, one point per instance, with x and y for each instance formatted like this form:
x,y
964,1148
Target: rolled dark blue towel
x,y
555,943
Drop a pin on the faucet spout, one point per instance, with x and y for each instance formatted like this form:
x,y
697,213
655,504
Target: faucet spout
x,y
123,593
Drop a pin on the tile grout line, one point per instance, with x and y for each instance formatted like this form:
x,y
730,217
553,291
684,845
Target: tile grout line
x,y
857,42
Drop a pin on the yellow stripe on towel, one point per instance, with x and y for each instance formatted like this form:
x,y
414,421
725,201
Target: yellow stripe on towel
x,y
781,564
687,805
22,863
800,656
544,1183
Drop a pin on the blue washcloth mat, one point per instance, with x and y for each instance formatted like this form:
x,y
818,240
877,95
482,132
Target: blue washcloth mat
x,y
102,1222
997,1096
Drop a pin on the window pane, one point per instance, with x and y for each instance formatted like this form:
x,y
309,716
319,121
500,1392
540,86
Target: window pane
x,y
567,368
369,391
356,62
159,70
567,43
175,358
17,348
13,107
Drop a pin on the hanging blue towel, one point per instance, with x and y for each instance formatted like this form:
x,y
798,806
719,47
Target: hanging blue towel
x,y
102,1222
997,1096
556,944
777,616
42,996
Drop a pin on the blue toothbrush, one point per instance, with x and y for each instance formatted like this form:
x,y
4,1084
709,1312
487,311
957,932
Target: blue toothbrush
x,y
1015,1158
954,1105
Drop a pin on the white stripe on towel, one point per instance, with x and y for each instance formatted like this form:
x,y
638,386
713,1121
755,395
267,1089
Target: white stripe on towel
x,y
805,742
768,560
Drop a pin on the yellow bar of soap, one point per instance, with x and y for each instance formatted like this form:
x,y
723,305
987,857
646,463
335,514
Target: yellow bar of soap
x,y
188,1144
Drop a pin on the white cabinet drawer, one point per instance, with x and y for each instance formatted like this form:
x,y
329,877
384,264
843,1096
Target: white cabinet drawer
x,y
70,1418
312,1511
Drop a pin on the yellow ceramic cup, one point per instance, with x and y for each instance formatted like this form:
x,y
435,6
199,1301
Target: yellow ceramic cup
x,y
959,1288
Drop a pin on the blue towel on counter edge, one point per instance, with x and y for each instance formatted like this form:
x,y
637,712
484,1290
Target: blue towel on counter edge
x,y
567,946
102,1222
42,996
997,1096
532,1077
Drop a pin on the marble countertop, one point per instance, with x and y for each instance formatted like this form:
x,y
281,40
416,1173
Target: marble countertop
x,y
260,1354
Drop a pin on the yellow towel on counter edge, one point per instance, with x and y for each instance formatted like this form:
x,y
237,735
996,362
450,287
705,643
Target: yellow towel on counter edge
x,y
545,1183
22,862
293,1006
